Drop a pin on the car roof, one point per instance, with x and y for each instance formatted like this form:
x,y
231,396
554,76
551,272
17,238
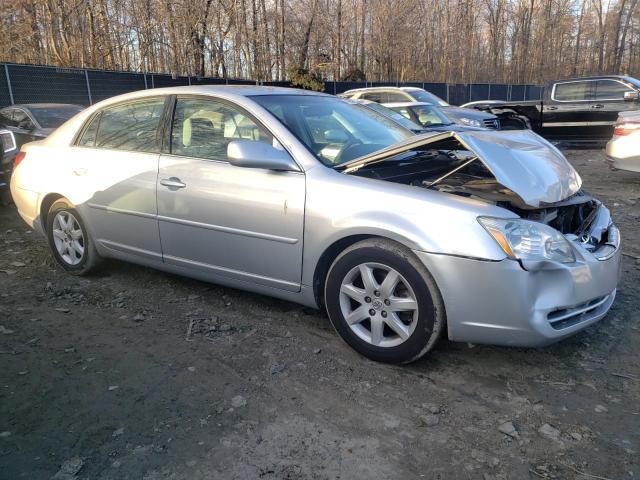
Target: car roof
x,y
593,77
372,89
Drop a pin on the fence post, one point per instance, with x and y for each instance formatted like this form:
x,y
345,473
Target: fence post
x,y
6,73
153,83
146,87
86,77
489,92
447,85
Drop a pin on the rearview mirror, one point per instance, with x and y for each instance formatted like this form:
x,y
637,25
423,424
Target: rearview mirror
x,y
630,96
251,154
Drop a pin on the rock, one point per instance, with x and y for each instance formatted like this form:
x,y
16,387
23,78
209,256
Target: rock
x,y
113,387
5,434
429,420
191,369
69,469
5,330
435,409
225,327
62,310
23,372
317,350
601,409
576,436
550,432
508,429
116,464
118,432
18,264
139,317
238,401
277,368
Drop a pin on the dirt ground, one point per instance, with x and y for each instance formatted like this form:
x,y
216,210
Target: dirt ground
x,y
137,374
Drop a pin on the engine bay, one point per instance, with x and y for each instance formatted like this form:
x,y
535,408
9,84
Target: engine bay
x,y
447,168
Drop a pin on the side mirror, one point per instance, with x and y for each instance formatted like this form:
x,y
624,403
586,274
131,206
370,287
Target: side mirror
x,y
25,125
252,154
630,96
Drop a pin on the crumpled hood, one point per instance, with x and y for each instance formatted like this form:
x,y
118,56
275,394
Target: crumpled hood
x,y
520,160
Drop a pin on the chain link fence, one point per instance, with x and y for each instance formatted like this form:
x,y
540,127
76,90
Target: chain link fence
x,y
21,84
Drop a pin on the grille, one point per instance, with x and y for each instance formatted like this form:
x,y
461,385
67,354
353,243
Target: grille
x,y
567,317
492,123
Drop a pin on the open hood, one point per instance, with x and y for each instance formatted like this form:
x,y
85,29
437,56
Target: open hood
x,y
520,160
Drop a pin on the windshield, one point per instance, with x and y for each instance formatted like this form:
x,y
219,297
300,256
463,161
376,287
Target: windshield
x,y
331,128
427,97
393,115
54,116
424,115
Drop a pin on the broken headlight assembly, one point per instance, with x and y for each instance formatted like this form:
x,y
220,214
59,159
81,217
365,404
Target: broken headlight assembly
x,y
526,240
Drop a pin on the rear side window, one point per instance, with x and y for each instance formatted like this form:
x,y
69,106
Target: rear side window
x,y
132,127
610,90
396,97
572,91
373,96
88,137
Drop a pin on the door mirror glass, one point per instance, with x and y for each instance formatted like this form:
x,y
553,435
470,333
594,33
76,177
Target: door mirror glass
x,y
252,154
631,96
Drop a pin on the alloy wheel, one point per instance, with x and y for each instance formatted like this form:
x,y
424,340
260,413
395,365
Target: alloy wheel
x,y
68,237
378,304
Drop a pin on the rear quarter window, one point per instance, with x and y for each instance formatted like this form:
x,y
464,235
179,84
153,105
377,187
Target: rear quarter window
x,y
572,91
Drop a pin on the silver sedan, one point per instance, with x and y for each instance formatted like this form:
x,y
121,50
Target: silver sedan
x,y
484,237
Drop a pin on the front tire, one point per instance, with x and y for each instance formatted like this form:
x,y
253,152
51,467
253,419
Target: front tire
x,y
70,243
383,302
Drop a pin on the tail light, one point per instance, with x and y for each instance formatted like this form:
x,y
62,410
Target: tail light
x,y
19,157
626,128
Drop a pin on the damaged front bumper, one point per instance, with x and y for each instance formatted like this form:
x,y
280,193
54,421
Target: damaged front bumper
x,y
526,304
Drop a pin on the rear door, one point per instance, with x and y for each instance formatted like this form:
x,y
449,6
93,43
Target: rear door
x,y
245,224
568,115
114,172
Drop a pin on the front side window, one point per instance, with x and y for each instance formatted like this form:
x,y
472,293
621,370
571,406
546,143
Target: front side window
x,y
132,126
373,96
611,90
204,128
333,130
572,91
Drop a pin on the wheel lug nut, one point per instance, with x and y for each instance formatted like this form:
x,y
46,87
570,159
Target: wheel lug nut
x,y
367,299
372,312
387,301
384,314
376,293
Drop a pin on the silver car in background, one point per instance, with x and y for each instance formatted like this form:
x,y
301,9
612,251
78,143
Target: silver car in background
x,y
486,237
623,150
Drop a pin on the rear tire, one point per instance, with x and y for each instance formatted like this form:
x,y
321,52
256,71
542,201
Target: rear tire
x,y
69,239
383,302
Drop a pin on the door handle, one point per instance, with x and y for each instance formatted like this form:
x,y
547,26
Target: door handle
x,y
78,172
597,105
552,108
172,183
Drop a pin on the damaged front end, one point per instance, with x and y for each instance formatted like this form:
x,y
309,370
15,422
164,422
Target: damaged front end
x,y
516,170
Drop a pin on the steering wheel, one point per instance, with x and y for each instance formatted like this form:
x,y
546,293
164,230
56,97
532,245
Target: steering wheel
x,y
348,147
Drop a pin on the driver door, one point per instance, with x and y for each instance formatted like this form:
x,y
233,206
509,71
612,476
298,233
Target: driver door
x,y
223,220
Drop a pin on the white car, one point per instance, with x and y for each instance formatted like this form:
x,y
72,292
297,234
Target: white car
x,y
623,150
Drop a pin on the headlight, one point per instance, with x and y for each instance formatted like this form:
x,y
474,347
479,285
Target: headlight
x,y
526,240
471,122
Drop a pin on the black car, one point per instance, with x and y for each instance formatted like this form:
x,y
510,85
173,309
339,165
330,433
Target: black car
x,y
20,124
576,110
